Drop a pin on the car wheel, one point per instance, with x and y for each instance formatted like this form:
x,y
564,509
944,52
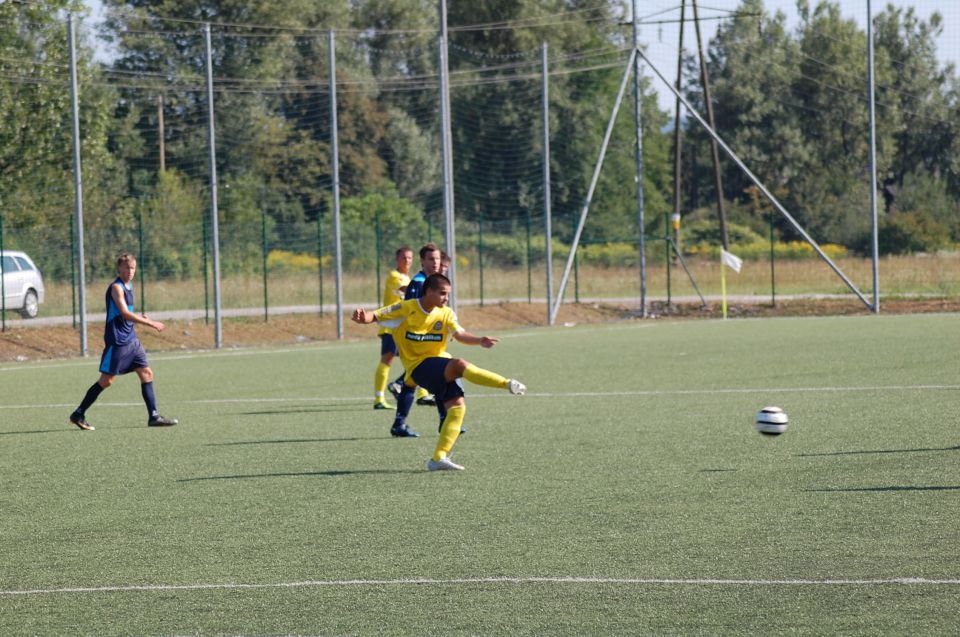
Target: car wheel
x,y
30,305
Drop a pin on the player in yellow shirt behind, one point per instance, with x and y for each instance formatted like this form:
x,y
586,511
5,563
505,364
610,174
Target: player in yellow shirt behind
x,y
422,328
393,290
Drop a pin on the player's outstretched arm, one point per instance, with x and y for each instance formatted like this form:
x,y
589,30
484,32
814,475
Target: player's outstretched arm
x,y
363,317
467,338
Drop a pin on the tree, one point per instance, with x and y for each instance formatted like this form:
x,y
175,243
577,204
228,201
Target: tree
x,y
927,131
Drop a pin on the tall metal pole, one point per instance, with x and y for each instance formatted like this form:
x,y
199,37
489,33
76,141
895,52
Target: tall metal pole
x,y
3,284
874,237
714,150
641,226
78,183
214,212
677,157
161,133
547,222
447,154
335,162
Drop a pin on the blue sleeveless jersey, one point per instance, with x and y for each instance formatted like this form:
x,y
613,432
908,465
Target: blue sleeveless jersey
x,y
118,330
415,287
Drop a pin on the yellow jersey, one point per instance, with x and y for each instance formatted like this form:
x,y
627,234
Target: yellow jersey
x,y
419,334
391,292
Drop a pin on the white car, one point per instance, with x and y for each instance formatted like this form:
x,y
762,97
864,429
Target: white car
x,y
22,283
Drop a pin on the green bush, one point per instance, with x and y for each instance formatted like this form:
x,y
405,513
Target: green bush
x,y
909,232
707,231
761,250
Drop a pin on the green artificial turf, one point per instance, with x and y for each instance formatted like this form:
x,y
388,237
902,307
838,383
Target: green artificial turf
x,y
628,493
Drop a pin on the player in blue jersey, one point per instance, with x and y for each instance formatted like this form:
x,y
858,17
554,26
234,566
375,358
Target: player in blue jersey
x,y
122,352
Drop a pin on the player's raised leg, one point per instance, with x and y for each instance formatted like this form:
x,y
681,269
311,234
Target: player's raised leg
x,y
479,376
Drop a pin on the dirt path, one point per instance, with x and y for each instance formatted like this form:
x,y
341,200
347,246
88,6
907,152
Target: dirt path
x,y
63,341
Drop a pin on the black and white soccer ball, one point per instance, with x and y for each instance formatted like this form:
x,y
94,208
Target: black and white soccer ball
x,y
772,421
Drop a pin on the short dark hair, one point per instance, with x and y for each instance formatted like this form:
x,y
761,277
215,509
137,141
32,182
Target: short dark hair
x,y
403,249
444,257
124,258
434,281
427,249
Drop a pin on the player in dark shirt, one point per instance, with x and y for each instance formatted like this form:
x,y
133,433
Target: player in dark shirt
x,y
122,352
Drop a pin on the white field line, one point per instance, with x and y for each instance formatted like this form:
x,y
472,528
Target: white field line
x,y
599,394
895,581
94,357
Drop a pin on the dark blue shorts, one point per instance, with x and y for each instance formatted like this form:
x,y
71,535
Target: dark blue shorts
x,y
388,345
429,375
123,359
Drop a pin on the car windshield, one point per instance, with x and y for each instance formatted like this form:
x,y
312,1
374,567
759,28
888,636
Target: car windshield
x,y
24,264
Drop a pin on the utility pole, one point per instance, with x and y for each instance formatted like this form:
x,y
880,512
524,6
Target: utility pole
x,y
641,225
447,153
678,137
714,149
214,210
874,237
78,182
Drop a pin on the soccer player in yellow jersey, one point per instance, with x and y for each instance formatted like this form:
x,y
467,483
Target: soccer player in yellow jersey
x,y
393,291
421,329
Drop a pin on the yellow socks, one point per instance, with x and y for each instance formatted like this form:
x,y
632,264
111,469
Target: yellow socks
x,y
479,376
421,393
380,379
449,431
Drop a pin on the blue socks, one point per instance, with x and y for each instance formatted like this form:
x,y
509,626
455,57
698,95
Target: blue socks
x,y
92,394
404,404
146,390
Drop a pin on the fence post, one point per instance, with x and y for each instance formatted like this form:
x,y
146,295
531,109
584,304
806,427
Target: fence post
x,y
379,243
773,274
666,253
143,285
480,258
206,267
576,263
3,284
320,257
529,263
576,278
73,280
263,250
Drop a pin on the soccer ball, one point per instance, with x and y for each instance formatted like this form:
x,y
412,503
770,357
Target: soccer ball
x,y
771,421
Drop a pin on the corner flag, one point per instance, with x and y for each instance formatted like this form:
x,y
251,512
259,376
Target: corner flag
x,y
732,261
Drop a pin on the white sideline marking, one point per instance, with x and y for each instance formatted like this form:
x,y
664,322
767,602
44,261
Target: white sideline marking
x,y
180,356
584,394
895,581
